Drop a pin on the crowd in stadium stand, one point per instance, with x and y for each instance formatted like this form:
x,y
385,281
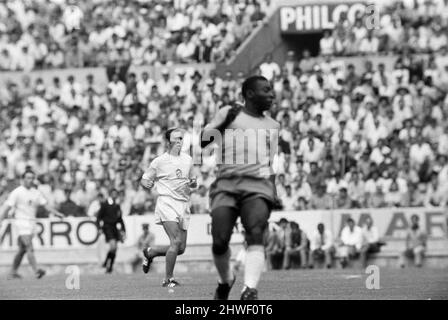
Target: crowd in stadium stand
x,y
350,138
415,26
70,33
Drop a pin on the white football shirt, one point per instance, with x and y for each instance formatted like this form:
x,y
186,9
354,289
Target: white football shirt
x,y
25,202
172,175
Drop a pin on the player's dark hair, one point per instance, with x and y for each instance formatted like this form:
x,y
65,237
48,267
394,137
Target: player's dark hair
x,y
249,84
28,171
168,133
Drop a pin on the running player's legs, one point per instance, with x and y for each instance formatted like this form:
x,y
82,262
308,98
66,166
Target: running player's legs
x,y
170,210
255,213
19,256
28,244
223,222
178,238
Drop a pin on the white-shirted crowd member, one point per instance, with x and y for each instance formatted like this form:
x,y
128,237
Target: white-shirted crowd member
x,y
371,241
171,173
72,17
352,240
326,44
23,202
269,69
321,246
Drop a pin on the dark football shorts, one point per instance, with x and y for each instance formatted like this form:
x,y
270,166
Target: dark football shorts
x,y
111,233
234,191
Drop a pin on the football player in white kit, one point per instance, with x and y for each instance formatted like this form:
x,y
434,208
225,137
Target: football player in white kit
x,y
171,173
24,201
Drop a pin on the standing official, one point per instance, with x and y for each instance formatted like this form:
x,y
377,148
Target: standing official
x,y
108,218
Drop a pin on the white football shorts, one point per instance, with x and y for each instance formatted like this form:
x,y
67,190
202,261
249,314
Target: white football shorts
x,y
169,209
25,227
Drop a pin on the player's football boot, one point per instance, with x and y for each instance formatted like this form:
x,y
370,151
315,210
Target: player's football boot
x,y
249,294
170,283
223,290
14,276
146,264
40,273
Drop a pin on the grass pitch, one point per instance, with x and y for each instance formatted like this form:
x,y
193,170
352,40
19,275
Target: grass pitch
x,y
347,284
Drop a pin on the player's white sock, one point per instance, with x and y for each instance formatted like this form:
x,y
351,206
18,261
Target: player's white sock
x,y
222,263
254,265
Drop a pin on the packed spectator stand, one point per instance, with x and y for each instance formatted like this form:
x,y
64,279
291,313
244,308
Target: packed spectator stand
x,y
349,138
70,33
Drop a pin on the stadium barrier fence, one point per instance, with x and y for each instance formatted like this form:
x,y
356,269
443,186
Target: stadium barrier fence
x,y
77,241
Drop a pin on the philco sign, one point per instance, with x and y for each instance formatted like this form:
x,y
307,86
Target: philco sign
x,y
311,18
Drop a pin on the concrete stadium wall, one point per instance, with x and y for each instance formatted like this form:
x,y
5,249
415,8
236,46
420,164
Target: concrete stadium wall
x,y
264,40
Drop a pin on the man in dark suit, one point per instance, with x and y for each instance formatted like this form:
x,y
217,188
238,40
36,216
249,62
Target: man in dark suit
x,y
203,51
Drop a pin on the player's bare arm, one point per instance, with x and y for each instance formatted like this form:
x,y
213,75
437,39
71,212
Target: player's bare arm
x,y
277,201
4,212
221,121
193,180
148,179
55,212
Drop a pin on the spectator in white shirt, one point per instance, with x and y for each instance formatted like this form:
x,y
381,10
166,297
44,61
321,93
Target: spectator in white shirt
x,y
120,132
289,199
5,60
150,55
269,69
420,151
359,30
137,52
72,17
144,85
438,40
54,58
351,242
24,61
370,44
436,195
70,85
118,88
326,44
183,82
321,247
185,49
165,84
176,20
303,189
371,241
